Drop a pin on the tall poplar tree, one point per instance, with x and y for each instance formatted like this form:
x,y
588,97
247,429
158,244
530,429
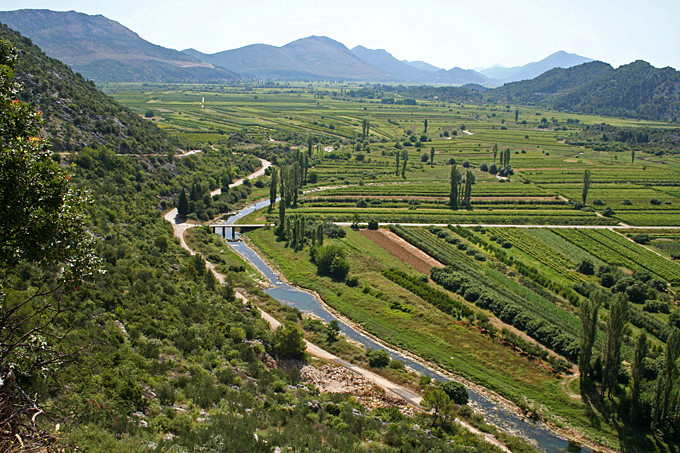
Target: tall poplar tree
x,y
455,178
469,181
586,185
664,383
183,203
637,371
616,328
272,188
589,309
397,170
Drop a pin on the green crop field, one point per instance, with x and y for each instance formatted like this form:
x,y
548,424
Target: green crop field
x,y
507,304
640,192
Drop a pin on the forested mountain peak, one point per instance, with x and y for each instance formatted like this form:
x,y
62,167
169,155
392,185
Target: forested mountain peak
x,y
634,90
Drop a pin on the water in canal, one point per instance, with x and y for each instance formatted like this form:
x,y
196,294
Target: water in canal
x,y
494,413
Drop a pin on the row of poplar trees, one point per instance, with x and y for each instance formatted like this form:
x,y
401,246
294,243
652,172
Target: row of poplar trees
x,y
288,179
653,401
297,230
461,188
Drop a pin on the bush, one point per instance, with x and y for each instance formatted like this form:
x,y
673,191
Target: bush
x,y
397,365
641,238
674,319
658,284
656,306
333,231
586,267
607,280
472,294
637,293
655,201
330,260
378,358
372,224
456,391
288,342
608,212
352,281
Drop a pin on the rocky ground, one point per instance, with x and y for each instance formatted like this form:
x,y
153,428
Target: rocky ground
x,y
337,379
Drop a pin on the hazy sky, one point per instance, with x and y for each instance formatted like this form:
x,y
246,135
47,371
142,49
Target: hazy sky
x,y
446,33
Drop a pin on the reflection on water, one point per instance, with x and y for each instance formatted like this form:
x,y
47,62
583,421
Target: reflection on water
x,y
496,414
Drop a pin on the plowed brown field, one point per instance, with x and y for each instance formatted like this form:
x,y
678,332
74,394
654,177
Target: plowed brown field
x,y
414,257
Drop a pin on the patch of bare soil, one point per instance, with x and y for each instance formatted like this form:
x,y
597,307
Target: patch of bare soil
x,y
413,256
332,378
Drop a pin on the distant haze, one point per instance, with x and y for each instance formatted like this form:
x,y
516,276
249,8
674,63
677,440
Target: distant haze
x,y
444,33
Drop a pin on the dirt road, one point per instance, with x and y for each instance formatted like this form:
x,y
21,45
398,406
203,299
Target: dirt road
x,y
179,228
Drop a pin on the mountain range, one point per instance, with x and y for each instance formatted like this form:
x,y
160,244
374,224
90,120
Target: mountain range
x,y
316,57
105,51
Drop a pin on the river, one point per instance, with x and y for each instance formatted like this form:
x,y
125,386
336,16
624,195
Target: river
x,y
536,433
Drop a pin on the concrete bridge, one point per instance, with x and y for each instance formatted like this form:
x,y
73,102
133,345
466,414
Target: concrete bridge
x,y
242,228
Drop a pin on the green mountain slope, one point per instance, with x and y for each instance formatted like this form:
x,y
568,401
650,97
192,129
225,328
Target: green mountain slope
x,y
635,90
105,51
76,114
553,82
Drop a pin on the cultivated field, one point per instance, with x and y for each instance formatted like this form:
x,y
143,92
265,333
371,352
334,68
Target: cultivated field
x,y
504,311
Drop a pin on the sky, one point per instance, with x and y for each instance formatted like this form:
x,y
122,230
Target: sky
x,y
446,33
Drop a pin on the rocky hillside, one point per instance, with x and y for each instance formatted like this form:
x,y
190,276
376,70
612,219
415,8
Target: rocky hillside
x,y
76,114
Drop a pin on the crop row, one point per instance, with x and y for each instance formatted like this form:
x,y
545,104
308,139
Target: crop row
x,y
539,251
503,289
393,215
428,293
440,189
430,203
522,318
521,267
617,250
